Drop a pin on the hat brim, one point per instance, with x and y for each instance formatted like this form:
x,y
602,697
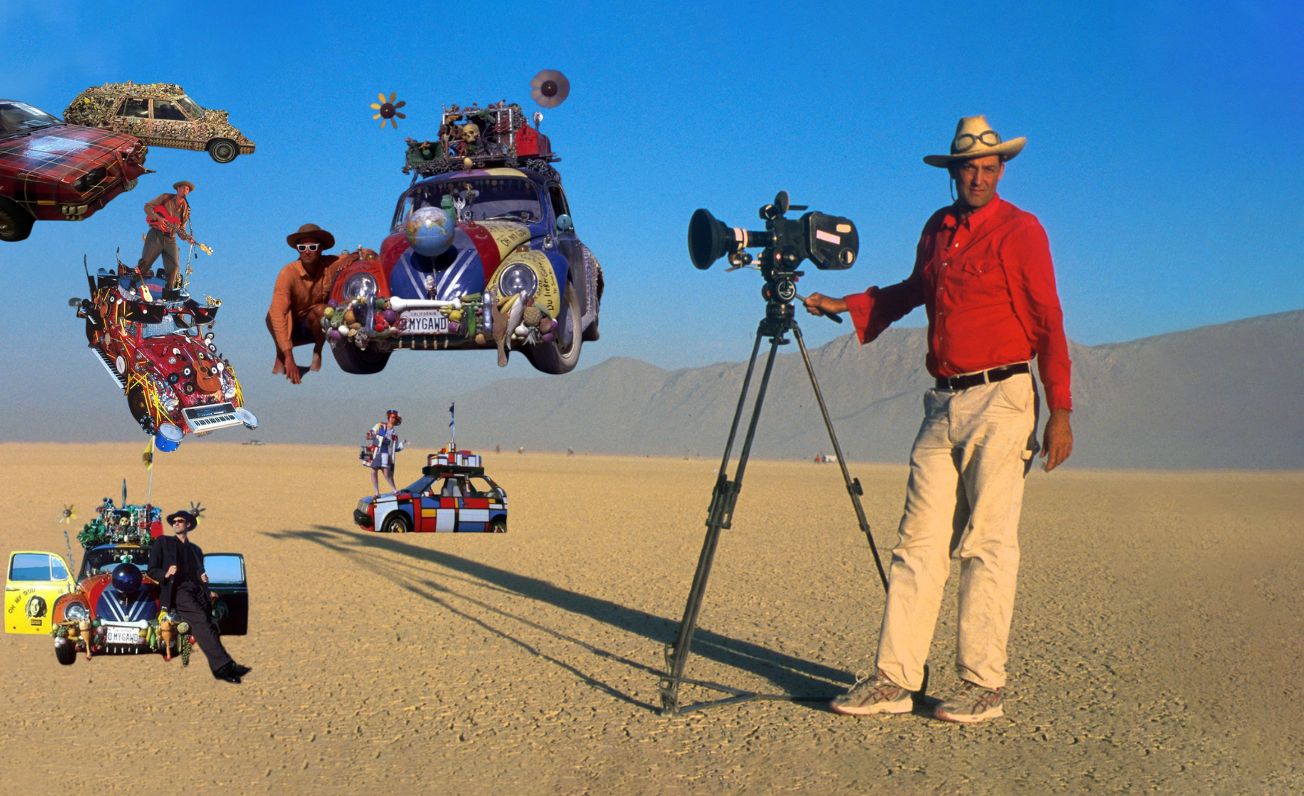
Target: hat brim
x,y
191,522
1006,150
323,237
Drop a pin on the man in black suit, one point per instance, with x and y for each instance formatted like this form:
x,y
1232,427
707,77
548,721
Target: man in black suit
x,y
177,564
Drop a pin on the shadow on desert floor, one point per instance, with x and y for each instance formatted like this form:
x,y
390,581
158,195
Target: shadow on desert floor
x,y
791,675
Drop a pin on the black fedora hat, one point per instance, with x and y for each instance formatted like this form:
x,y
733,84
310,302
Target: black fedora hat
x,y
190,519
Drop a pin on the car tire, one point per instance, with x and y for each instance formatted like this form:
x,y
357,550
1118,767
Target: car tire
x,y
553,357
223,150
65,654
352,359
397,522
15,222
498,525
138,403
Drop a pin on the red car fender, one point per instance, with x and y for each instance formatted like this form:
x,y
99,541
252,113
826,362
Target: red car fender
x,y
377,267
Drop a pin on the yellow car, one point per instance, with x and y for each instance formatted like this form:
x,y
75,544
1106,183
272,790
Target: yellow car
x,y
35,581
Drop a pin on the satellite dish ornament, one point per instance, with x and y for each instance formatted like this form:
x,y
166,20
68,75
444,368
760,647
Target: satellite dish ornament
x,y
386,109
549,88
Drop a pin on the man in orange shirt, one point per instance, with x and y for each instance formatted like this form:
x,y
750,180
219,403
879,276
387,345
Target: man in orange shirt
x,y
168,215
983,273
299,299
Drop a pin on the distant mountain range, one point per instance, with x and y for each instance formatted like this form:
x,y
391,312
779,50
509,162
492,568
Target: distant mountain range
x,y
1225,396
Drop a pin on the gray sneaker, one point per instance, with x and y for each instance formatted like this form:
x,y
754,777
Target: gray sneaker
x,y
972,704
872,695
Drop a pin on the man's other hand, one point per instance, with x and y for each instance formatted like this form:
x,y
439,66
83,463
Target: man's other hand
x,y
820,304
172,570
292,370
1057,443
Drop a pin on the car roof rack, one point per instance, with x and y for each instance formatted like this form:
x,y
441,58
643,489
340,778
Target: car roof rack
x,y
472,137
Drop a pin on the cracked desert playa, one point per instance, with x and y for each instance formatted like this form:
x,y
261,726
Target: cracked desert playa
x,y
1156,641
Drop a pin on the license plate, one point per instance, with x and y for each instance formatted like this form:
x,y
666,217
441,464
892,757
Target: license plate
x,y
123,635
423,322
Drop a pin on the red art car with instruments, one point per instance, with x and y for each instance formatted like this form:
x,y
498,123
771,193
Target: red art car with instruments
x,y
50,170
161,353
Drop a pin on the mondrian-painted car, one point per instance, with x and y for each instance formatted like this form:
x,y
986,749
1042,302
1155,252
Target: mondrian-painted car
x,y
453,495
50,170
482,253
112,606
162,115
162,355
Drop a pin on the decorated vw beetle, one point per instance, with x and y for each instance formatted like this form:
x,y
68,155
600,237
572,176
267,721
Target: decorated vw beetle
x,y
482,253
161,353
452,495
113,606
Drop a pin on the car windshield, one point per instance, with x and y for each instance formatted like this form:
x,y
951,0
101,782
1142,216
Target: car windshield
x,y
191,107
104,559
420,485
511,198
18,117
171,324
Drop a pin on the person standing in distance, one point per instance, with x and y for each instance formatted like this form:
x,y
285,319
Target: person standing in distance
x,y
177,564
983,273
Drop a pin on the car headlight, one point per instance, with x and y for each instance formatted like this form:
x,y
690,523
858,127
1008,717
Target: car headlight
x,y
77,612
166,394
89,180
360,286
518,278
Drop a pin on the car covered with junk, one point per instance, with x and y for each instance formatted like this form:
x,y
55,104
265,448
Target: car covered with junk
x,y
453,495
482,253
161,353
112,606
52,170
161,114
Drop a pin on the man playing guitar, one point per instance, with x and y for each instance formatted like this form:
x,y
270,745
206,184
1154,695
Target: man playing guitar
x,y
168,215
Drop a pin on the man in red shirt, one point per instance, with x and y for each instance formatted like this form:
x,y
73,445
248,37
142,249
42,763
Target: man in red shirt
x,y
984,276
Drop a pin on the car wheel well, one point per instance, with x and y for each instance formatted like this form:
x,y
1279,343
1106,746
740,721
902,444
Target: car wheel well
x,y
15,221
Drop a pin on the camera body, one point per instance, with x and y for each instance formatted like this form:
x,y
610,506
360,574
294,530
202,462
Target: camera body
x,y
830,242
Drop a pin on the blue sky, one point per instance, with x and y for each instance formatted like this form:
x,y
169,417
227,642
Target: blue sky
x,y
1165,154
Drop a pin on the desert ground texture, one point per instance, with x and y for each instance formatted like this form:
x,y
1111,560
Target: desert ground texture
x,y
1156,644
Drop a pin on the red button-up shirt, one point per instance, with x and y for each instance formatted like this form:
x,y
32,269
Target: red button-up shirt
x,y
988,286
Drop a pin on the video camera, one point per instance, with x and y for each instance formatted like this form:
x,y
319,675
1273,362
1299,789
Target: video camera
x,y
830,242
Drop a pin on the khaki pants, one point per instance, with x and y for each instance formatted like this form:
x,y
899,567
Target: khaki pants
x,y
157,243
965,492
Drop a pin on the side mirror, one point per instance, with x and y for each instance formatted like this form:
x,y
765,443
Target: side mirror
x,y
564,223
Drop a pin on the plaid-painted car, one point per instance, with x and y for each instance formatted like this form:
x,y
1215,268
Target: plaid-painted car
x,y
514,275
453,495
160,354
55,171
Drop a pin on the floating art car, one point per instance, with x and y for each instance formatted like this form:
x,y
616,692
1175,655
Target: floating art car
x,y
482,253
161,353
162,115
112,607
452,495
51,170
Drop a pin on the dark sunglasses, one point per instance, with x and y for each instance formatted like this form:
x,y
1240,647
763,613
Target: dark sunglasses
x,y
966,141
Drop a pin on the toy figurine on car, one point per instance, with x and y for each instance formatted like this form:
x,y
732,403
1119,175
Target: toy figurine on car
x,y
160,352
52,170
453,494
162,115
112,607
482,253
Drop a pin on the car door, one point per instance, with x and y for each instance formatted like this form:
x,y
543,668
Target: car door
x,y
132,116
226,579
34,581
568,243
169,122
473,513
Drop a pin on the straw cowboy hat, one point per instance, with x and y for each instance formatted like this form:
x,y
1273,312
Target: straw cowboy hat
x,y
313,231
975,138
186,183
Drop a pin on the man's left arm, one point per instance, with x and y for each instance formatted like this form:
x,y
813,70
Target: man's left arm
x,y
203,573
1031,276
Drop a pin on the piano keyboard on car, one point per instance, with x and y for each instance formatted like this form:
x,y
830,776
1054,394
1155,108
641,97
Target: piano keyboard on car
x,y
203,419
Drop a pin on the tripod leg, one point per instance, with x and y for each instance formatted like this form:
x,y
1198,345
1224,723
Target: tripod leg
x,y
853,486
719,516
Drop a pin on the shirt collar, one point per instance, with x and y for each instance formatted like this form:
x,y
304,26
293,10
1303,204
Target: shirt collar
x,y
952,218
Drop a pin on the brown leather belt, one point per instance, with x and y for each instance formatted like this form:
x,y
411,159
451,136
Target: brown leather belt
x,y
985,377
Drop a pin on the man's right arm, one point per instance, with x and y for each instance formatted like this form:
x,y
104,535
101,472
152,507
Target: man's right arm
x,y
156,560
279,315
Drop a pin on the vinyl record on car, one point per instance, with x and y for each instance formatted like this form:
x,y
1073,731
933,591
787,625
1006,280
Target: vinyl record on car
x,y
549,88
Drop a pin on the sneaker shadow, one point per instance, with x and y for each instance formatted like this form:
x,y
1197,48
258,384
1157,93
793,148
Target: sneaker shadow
x,y
790,674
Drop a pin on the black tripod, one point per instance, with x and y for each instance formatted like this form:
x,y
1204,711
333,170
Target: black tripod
x,y
779,292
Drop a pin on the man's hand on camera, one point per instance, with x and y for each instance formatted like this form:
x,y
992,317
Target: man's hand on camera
x,y
820,304
1057,443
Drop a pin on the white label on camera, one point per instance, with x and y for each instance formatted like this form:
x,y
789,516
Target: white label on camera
x,y
827,237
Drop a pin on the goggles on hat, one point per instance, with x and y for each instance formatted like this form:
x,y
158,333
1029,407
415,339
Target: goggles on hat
x,y
966,141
